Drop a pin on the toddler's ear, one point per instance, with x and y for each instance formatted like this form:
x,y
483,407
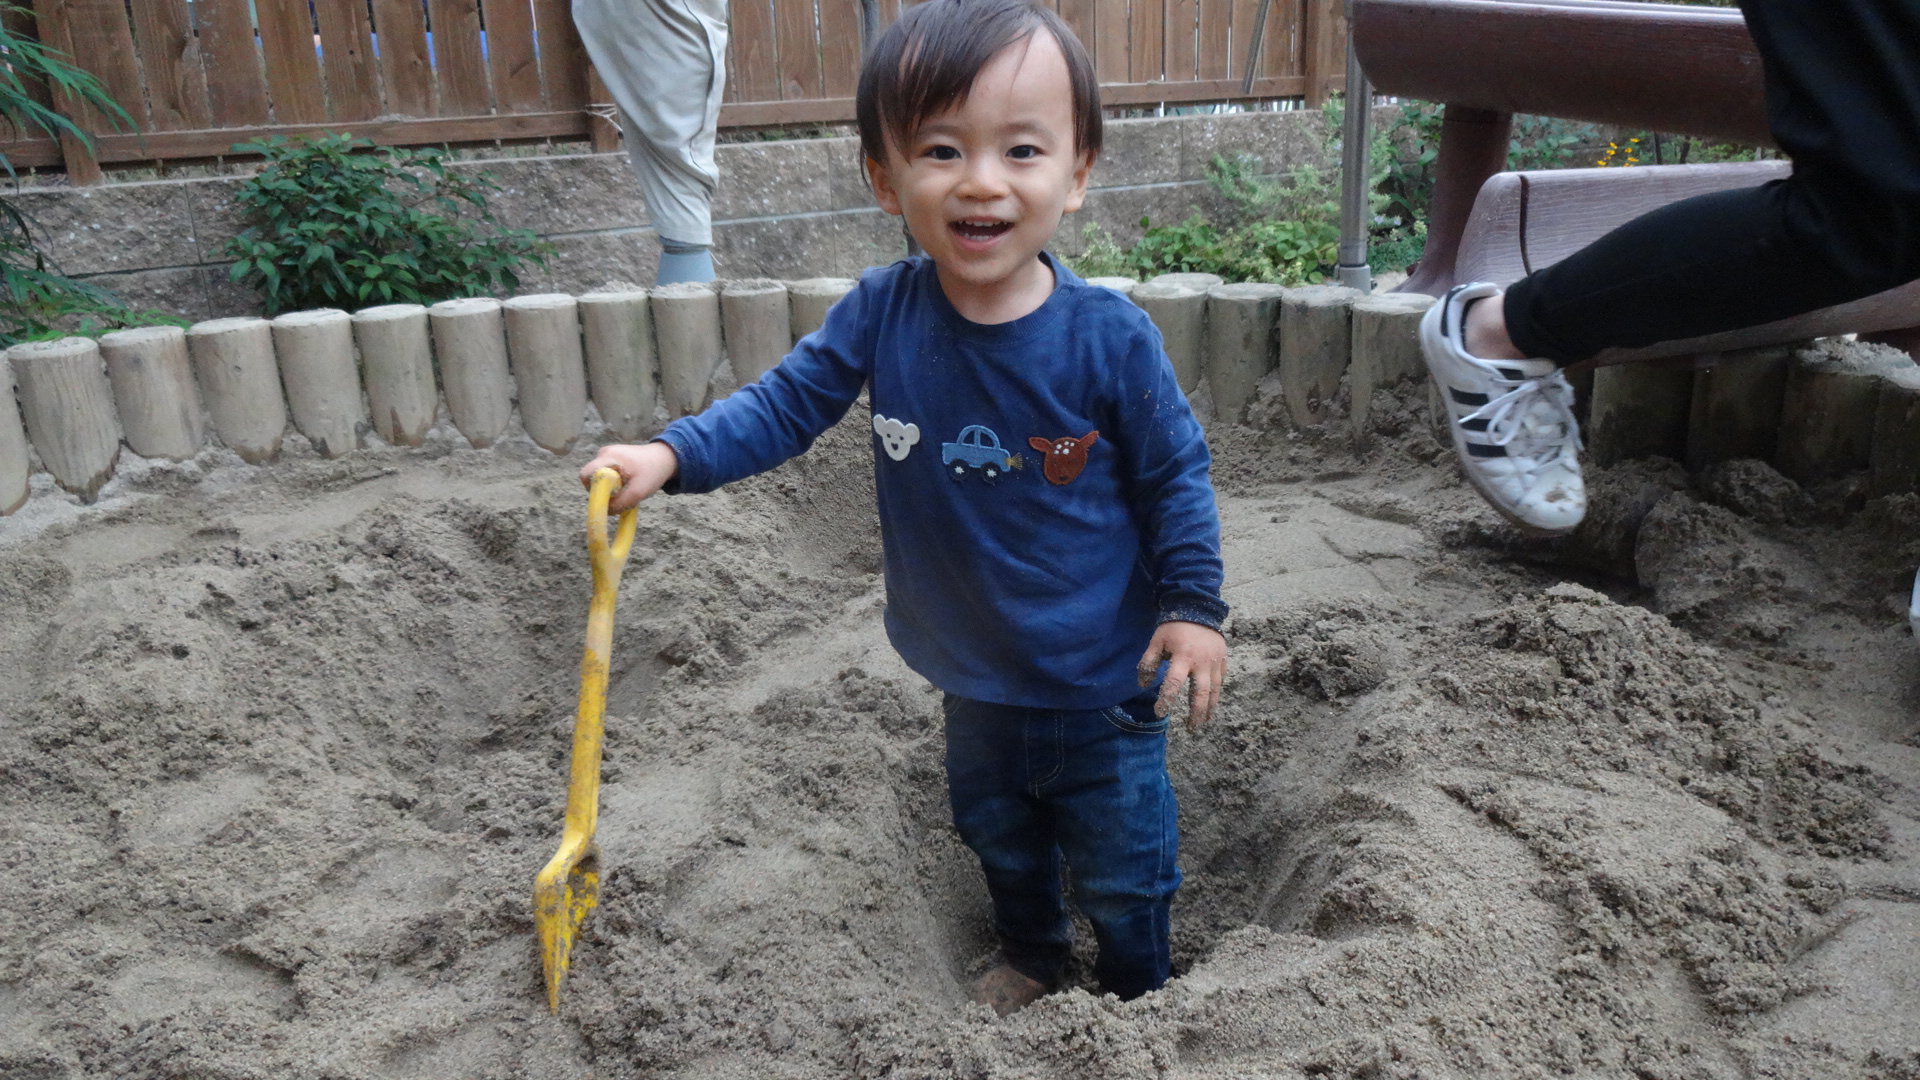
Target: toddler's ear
x,y
882,182
1082,175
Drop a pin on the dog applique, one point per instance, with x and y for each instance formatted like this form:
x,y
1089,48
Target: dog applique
x,y
896,438
1064,457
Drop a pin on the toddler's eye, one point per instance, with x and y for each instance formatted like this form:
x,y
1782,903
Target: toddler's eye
x,y
943,153
1023,152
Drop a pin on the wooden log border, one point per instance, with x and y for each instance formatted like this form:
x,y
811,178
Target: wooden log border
x,y
646,361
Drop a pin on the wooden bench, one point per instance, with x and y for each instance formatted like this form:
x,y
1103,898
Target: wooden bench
x,y
1687,70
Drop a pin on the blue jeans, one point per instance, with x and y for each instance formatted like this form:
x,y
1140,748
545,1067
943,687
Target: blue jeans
x,y
1031,786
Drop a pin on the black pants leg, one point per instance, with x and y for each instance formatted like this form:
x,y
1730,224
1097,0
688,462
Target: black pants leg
x,y
1843,101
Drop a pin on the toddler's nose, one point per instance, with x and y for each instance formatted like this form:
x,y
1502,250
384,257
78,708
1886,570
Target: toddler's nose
x,y
983,179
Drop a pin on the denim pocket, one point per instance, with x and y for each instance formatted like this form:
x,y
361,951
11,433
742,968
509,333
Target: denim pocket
x,y
1135,717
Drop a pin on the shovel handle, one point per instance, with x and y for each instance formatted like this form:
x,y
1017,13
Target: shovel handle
x,y
609,556
568,888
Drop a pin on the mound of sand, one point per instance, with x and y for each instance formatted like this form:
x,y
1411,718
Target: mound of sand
x,y
281,750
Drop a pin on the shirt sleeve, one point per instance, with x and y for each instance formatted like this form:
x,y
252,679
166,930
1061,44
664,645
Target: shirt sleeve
x,y
779,415
1170,487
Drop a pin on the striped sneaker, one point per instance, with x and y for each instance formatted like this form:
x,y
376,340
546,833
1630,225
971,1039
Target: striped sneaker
x,y
1913,613
1512,422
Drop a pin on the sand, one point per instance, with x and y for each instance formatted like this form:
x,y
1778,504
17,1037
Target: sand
x,y
281,749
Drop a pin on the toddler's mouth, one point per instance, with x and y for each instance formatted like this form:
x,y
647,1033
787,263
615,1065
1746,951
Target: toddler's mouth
x,y
980,228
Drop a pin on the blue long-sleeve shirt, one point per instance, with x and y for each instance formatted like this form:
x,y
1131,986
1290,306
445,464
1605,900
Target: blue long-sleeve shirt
x,y
1015,574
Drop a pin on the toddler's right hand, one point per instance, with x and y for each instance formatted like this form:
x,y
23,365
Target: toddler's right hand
x,y
644,468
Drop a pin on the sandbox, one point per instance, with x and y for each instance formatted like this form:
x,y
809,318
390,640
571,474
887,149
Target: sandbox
x,y
283,747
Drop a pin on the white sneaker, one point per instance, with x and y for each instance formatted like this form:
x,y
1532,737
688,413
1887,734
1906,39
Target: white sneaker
x,y
1913,613
1512,422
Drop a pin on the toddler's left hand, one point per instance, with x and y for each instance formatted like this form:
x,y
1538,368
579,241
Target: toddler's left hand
x,y
1190,650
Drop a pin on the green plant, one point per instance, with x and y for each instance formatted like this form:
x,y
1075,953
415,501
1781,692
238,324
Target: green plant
x,y
1548,142
331,223
36,299
1414,146
41,303
1282,230
1399,183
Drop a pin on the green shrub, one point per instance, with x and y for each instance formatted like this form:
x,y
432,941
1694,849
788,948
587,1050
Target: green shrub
x,y
1280,230
333,224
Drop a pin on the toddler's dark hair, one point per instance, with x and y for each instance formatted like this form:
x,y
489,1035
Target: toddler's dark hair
x,y
925,63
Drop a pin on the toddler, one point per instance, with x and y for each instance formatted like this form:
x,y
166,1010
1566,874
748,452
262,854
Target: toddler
x,y
1051,541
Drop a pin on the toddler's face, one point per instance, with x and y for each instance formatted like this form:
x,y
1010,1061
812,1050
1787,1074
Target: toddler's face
x,y
983,185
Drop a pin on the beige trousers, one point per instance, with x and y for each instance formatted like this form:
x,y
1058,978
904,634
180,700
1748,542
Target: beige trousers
x,y
664,61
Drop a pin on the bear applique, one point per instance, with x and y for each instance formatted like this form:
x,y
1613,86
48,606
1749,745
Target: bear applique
x,y
1064,457
896,438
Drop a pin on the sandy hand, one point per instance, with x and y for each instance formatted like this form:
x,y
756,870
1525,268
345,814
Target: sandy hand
x,y
1193,653
644,468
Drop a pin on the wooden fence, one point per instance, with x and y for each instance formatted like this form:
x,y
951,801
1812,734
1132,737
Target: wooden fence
x,y
198,76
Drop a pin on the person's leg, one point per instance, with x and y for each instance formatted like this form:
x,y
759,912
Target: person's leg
x,y
1511,419
996,756
1843,101
684,262
664,64
1117,825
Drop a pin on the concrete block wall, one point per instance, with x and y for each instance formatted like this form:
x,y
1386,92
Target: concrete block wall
x,y
790,209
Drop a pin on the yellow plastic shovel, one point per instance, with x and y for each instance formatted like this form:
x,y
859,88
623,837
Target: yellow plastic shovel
x,y
569,887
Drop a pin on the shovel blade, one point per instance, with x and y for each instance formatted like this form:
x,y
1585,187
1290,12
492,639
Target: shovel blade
x,y
563,894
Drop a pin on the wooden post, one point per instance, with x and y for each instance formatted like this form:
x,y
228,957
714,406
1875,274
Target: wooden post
x,y
233,363
603,131
618,327
1199,281
56,33
69,411
1895,458
758,326
1640,410
1240,321
470,338
812,299
1827,420
1386,349
399,364
1122,285
153,390
1316,341
1180,314
543,345
1736,407
1316,50
321,377
686,323
15,462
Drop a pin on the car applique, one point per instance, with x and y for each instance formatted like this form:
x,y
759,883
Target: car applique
x,y
978,448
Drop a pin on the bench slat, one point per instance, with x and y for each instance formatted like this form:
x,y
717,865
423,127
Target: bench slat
x,y
1664,67
1566,209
